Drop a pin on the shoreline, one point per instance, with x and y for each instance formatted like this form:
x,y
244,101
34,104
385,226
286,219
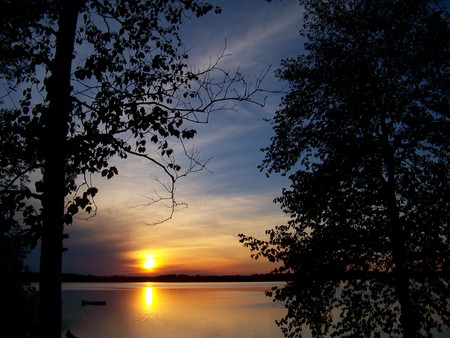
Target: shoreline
x,y
33,277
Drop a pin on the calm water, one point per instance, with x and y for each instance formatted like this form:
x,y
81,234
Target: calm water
x,y
172,310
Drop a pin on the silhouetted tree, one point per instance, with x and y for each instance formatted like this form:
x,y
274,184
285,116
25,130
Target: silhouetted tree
x,y
18,300
88,81
363,135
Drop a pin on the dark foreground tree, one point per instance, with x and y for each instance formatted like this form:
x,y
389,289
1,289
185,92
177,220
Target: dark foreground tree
x,y
18,300
364,136
87,81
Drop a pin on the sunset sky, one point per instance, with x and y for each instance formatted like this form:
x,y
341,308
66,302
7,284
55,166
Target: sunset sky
x,y
232,197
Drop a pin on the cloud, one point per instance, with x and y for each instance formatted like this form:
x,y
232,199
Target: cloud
x,y
256,34
261,43
197,239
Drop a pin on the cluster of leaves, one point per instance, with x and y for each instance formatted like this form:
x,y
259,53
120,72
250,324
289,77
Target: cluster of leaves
x,y
134,92
131,84
20,23
19,159
19,220
363,135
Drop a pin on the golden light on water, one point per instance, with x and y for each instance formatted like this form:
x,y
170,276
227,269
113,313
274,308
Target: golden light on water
x,y
148,297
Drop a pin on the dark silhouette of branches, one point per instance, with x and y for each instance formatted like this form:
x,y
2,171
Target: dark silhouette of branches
x,y
83,83
362,134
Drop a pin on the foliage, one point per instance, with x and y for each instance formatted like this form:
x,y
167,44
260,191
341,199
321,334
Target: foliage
x,y
88,81
134,92
18,161
18,300
363,136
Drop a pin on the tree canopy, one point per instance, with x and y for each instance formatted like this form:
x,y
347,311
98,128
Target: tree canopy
x,y
363,135
87,81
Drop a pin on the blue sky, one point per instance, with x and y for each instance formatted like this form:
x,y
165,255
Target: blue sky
x,y
229,198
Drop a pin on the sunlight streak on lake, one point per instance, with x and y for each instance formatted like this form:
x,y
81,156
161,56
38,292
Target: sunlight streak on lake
x,y
148,297
167,310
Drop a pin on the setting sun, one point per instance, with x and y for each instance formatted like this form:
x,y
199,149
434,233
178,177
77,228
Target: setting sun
x,y
149,262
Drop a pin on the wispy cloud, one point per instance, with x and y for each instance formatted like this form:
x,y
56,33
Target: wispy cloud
x,y
201,236
256,35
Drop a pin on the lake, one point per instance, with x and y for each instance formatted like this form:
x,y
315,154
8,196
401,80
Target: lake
x,y
181,310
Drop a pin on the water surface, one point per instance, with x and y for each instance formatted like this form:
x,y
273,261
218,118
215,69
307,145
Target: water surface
x,y
182,310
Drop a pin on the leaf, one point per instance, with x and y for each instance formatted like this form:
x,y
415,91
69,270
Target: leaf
x,y
188,133
68,219
92,191
72,209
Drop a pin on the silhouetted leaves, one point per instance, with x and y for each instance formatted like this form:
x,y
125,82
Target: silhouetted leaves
x,y
363,135
86,82
132,76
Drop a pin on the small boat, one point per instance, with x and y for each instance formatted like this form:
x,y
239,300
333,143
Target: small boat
x,y
93,302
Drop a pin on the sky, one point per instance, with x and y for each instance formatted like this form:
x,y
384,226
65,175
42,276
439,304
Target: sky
x,y
232,196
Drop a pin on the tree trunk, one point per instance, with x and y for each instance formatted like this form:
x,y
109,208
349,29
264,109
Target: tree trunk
x,y
54,142
408,318
401,276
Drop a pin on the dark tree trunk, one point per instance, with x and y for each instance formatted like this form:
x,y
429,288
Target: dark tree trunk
x,y
408,318
401,275
54,143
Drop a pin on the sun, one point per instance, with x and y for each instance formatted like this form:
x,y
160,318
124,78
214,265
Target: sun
x,y
149,262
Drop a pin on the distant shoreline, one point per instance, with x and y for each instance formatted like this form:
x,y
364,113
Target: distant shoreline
x,y
179,278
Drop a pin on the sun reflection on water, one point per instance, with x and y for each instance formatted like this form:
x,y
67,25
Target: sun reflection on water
x,y
148,297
